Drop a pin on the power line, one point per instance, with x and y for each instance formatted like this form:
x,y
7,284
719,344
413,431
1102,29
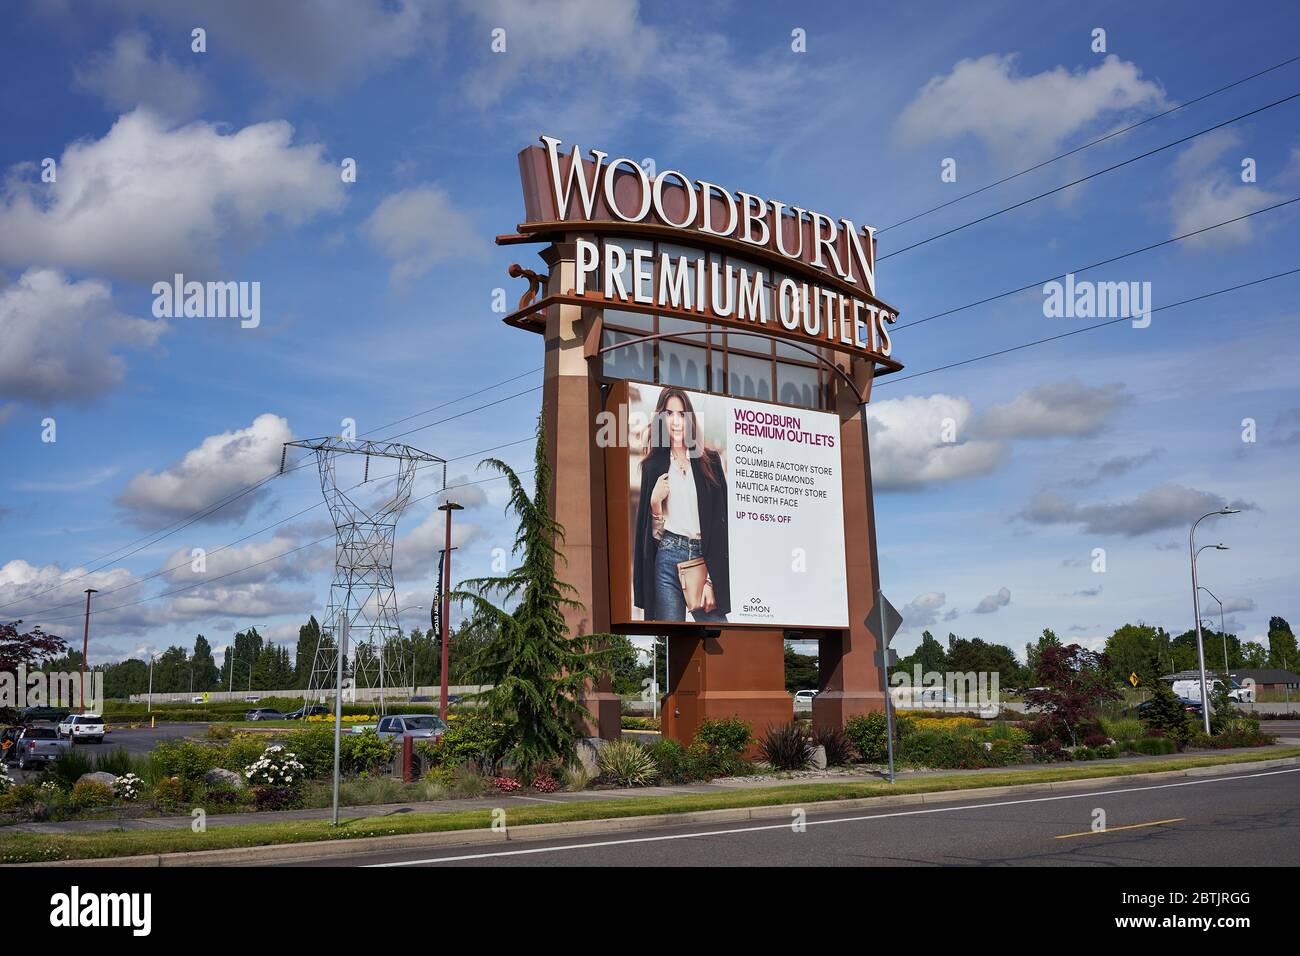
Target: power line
x,y
1078,149
153,537
1089,328
1084,179
274,557
252,534
951,365
1095,265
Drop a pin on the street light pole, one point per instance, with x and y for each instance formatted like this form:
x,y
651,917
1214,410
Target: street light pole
x,y
1196,609
1223,632
447,506
149,709
85,647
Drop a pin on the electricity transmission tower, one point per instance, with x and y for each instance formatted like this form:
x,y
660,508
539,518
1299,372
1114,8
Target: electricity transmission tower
x,y
362,589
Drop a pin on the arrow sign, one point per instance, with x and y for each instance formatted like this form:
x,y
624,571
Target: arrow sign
x,y
892,619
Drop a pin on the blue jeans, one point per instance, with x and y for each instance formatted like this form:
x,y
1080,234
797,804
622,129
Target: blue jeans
x,y
670,605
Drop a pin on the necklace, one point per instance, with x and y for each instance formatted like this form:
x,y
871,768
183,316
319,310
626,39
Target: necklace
x,y
680,462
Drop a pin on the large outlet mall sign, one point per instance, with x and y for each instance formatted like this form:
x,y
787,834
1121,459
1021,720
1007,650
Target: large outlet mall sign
x,y
789,271
726,521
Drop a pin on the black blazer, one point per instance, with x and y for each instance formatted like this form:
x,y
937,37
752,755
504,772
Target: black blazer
x,y
712,500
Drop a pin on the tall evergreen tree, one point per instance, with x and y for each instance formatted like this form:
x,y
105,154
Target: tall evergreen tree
x,y
538,669
203,665
305,654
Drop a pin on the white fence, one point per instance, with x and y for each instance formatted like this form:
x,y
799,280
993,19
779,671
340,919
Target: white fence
x,y
359,695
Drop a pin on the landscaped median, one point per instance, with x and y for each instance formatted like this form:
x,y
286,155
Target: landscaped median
x,y
40,847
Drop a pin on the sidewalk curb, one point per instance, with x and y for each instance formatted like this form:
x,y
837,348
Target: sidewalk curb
x,y
330,849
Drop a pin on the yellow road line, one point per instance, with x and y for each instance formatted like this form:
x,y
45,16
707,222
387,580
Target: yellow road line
x,y
1131,826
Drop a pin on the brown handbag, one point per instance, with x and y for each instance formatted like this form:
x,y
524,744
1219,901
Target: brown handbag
x,y
692,575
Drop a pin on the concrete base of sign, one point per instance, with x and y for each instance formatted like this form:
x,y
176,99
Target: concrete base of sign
x,y
732,675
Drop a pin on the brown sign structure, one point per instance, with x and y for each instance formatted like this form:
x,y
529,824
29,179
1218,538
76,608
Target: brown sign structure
x,y
674,307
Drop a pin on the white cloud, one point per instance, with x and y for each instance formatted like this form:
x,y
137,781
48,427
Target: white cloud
x,y
52,597
257,562
907,446
419,227
1022,116
1061,409
61,338
222,465
309,46
416,554
126,76
148,200
992,602
1208,189
923,610
1160,508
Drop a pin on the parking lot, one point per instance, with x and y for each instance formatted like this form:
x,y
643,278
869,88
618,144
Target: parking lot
x,y
137,742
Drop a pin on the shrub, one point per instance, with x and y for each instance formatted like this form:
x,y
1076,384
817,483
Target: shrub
x,y
1154,746
277,768
17,796
730,734
626,763
472,739
91,794
1095,740
366,752
1121,728
6,781
242,750
1083,753
219,732
314,747
67,768
786,747
276,798
669,757
467,781
506,783
545,782
184,759
1167,715
116,761
868,735
172,793
839,749
128,787
944,749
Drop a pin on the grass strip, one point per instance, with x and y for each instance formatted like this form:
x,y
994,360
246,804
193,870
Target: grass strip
x,y
38,847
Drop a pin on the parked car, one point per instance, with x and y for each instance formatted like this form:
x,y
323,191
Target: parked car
x,y
197,699
264,713
803,699
30,715
38,746
311,710
411,725
1189,705
87,727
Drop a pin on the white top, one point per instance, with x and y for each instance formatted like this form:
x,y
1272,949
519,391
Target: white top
x,y
681,509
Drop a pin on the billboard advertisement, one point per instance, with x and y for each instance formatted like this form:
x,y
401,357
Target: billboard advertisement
x,y
734,511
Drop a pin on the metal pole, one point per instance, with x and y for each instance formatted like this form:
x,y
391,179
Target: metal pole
x,y
149,709
1200,643
449,507
884,660
338,704
85,648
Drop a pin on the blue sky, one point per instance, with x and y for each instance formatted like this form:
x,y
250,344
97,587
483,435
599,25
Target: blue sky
x,y
376,295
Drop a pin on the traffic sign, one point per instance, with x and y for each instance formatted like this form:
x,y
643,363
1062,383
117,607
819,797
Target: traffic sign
x,y
892,619
1133,679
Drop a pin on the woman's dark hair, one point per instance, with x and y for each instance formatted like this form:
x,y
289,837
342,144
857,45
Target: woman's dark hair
x,y
660,445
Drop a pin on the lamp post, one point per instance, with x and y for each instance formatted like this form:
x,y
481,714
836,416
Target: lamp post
x,y
85,647
410,607
1223,632
1196,609
447,506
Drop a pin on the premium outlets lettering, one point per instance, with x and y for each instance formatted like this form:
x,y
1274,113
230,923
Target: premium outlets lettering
x,y
836,245
730,292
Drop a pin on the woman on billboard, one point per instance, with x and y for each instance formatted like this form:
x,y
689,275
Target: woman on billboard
x,y
680,562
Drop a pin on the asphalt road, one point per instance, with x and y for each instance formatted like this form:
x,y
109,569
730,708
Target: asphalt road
x,y
1241,820
137,742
